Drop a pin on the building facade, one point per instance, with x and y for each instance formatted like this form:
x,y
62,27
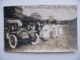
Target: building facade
x,y
36,15
13,12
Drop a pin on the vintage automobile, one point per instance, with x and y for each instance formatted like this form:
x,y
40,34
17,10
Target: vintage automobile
x,y
15,33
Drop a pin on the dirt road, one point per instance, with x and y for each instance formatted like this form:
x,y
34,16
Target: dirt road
x,y
66,42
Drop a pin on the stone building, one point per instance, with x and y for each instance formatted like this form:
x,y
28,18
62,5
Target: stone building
x,y
13,12
36,15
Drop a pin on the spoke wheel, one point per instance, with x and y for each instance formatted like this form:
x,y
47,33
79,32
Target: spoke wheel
x,y
35,39
13,42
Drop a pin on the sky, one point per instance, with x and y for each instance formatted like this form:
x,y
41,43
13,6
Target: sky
x,y
58,12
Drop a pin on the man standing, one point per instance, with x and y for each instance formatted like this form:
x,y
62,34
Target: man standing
x,y
38,27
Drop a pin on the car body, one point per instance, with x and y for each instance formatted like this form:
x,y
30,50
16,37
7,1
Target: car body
x,y
16,33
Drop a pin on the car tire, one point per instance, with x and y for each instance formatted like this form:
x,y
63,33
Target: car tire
x,y
36,40
7,36
13,41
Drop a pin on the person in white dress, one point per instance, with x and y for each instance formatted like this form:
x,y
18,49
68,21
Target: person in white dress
x,y
58,30
53,30
45,32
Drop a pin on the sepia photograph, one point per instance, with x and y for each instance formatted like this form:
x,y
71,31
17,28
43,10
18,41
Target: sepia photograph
x,y
40,28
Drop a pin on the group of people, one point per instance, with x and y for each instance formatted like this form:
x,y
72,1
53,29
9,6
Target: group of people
x,y
51,30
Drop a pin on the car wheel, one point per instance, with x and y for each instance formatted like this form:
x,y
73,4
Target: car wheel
x,y
13,41
36,39
7,36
